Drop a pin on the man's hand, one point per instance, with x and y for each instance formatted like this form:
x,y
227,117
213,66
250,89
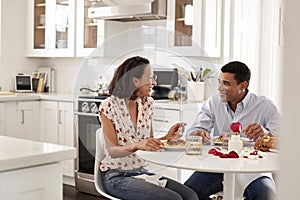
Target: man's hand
x,y
267,142
204,134
254,131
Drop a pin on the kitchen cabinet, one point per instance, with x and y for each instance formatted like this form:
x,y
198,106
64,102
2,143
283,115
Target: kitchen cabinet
x,y
195,27
10,118
90,32
167,114
66,133
28,118
56,36
31,170
21,119
51,28
57,127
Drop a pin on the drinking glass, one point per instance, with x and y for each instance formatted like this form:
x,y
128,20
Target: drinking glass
x,y
193,145
226,137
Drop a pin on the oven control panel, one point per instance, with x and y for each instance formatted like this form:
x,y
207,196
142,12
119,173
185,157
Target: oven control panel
x,y
89,105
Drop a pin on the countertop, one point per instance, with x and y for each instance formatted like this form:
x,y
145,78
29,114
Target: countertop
x,y
18,153
37,97
177,105
164,104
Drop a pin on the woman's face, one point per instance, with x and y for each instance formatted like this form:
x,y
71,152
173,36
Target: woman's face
x,y
146,82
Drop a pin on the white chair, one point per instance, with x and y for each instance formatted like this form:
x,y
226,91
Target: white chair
x,y
99,155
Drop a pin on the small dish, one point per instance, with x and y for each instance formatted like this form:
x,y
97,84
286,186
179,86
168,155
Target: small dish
x,y
274,150
170,148
246,141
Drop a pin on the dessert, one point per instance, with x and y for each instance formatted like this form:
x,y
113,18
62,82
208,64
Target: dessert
x,y
174,143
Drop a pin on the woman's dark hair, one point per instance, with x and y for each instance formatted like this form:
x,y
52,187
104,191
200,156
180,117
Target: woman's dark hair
x,y
122,83
240,70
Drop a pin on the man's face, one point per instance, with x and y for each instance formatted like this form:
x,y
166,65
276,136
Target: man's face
x,y
228,88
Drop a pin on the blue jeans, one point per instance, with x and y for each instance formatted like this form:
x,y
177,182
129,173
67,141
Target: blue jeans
x,y
120,183
206,184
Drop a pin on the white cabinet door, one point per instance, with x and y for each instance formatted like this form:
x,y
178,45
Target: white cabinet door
x,y
195,31
41,182
163,119
66,133
57,128
51,28
89,32
183,38
49,121
11,119
28,120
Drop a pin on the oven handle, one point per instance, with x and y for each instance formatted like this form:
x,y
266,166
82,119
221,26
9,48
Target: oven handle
x,y
86,114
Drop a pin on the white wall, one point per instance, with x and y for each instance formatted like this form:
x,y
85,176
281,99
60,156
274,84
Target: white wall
x,y
270,72
289,159
13,52
13,42
14,60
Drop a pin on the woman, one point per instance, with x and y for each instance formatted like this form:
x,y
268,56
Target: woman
x,y
126,119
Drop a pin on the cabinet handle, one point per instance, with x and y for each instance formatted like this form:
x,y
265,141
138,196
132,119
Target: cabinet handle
x,y
161,120
59,117
22,114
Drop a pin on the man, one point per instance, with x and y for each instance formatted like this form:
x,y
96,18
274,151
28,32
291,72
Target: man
x,y
258,116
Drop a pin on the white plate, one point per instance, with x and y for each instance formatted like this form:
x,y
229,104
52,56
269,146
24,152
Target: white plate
x,y
170,148
218,143
274,150
246,141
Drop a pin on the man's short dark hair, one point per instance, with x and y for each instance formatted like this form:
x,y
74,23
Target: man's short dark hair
x,y
240,70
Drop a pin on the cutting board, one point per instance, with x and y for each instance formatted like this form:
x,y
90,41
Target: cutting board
x,y
6,93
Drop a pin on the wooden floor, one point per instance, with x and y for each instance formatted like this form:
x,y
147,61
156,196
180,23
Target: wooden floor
x,y
70,193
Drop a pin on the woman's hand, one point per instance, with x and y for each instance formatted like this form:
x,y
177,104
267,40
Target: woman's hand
x,y
150,144
254,131
175,131
205,135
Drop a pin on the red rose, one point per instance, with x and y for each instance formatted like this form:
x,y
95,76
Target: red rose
x,y
236,127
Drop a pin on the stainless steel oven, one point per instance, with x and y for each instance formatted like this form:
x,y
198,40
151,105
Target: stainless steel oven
x,y
87,122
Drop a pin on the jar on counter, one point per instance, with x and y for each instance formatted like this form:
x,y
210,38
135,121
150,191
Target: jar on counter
x,y
179,94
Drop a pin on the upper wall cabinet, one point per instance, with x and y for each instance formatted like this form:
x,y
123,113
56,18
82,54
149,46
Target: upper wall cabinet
x,y
195,27
89,32
51,28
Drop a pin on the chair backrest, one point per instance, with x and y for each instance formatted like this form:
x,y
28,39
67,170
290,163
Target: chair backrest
x,y
99,155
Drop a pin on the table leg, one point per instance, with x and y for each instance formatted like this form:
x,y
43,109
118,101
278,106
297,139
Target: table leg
x,y
179,175
229,185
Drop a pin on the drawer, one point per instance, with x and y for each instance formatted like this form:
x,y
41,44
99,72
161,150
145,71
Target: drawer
x,y
163,119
